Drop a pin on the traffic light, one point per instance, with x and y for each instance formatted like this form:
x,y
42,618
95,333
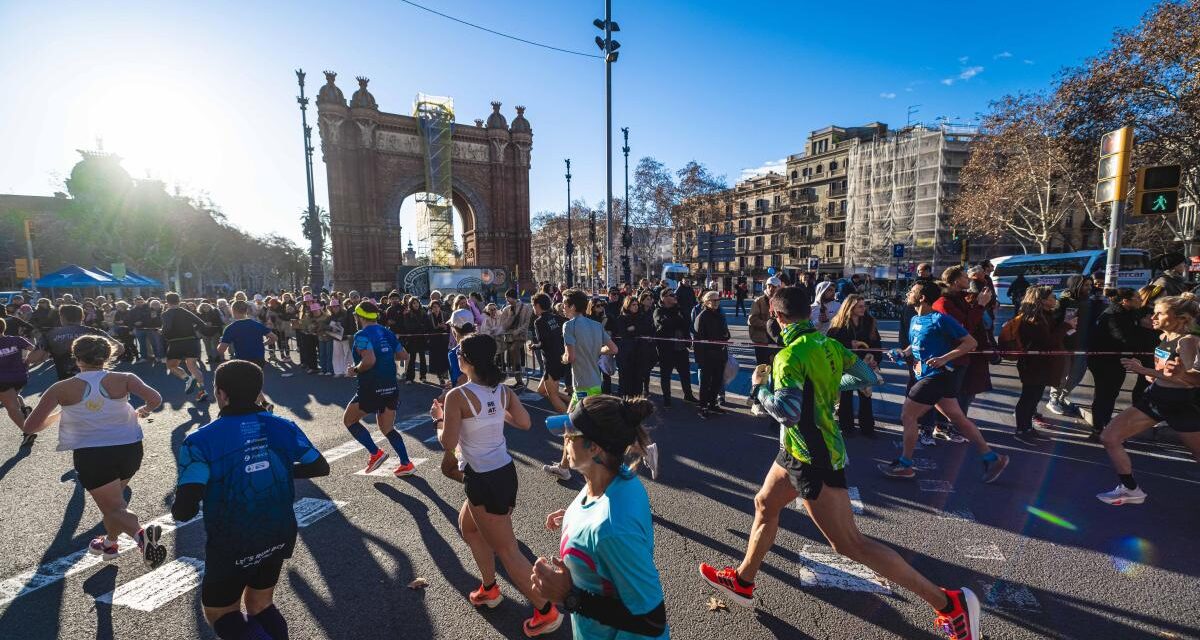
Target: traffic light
x,y
1157,190
22,268
1114,165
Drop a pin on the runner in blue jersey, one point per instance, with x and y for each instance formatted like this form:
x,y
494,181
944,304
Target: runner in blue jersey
x,y
375,353
245,335
241,467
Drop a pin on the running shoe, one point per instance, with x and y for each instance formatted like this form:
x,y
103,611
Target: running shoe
x,y
1121,495
948,434
896,469
375,459
726,581
153,552
993,469
1056,407
486,597
543,623
691,399
962,621
1030,436
406,469
189,385
704,413
1041,421
557,470
100,546
26,409
718,409
925,438
27,440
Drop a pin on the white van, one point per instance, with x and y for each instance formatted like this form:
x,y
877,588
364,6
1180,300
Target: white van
x,y
674,273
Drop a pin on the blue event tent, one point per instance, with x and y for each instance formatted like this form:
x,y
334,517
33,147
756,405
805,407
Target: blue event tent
x,y
76,277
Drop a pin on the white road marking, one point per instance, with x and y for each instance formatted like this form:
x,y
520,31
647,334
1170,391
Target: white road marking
x,y
835,571
158,587
345,449
980,549
431,439
924,464
388,467
956,514
937,486
412,423
1009,596
856,503
309,510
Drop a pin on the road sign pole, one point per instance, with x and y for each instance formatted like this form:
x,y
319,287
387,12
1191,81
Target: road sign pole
x,y
1116,223
33,271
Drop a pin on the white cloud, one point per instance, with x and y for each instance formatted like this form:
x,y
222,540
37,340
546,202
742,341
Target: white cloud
x,y
778,166
1003,54
970,72
1028,61
947,81
964,59
908,89
887,95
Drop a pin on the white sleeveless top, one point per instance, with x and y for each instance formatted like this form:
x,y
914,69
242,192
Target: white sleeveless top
x,y
97,420
481,440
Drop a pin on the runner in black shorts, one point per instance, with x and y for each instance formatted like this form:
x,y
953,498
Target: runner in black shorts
x,y
547,327
1171,396
16,356
179,328
810,479
245,335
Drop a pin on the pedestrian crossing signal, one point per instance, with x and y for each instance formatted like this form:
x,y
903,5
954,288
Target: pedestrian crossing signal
x,y
1157,191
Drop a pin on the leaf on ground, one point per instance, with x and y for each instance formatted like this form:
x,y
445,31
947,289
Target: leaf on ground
x,y
418,584
716,605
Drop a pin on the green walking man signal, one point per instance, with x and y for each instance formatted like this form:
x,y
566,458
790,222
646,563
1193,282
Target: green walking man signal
x,y
1157,190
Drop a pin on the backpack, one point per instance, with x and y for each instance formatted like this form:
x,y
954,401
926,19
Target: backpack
x,y
1010,336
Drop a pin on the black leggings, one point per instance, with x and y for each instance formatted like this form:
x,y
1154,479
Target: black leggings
x,y
670,361
417,357
1031,395
1108,375
712,377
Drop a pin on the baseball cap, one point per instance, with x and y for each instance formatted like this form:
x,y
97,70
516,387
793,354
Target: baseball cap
x,y
774,281
461,317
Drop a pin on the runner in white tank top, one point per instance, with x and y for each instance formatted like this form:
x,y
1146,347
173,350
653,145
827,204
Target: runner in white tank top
x,y
481,440
97,420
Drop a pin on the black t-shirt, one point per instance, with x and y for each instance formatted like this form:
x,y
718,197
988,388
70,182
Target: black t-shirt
x,y
180,324
58,343
548,328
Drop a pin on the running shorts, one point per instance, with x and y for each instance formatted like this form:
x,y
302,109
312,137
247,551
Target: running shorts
x,y
17,386
376,400
1176,407
556,369
98,466
183,349
580,394
808,479
931,390
227,590
495,491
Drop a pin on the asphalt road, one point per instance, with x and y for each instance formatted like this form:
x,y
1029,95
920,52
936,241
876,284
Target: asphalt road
x,y
1089,570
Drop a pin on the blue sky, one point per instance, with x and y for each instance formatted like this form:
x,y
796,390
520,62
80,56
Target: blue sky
x,y
202,94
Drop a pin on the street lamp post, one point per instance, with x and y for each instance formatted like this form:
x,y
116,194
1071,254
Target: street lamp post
x,y
570,241
316,247
609,47
626,239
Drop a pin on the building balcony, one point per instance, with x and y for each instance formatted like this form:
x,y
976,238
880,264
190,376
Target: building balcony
x,y
803,198
837,192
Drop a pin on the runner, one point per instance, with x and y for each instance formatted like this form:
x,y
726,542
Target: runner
x,y
548,329
936,340
376,351
472,421
241,467
605,574
246,335
100,428
584,340
179,328
807,375
16,356
1171,398
59,340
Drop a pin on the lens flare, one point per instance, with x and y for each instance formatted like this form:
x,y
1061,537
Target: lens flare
x,y
1131,554
1052,518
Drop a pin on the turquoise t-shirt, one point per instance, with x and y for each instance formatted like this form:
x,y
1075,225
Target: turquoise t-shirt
x,y
608,544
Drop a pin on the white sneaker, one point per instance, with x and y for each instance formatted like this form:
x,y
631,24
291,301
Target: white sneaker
x,y
1121,495
556,470
1056,407
926,439
757,411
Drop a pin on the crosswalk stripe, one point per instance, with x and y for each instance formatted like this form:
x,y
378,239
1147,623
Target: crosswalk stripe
x,y
158,587
936,486
309,510
835,571
980,550
388,467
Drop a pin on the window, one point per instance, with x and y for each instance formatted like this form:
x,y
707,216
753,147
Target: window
x,y
807,171
758,263
793,174
830,208
758,223
843,207
758,242
833,165
729,209
820,168
793,192
778,201
742,263
828,251
762,204
776,261
728,227
744,207
775,220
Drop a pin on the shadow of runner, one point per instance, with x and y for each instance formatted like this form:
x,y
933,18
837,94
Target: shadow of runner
x,y
100,583
8,465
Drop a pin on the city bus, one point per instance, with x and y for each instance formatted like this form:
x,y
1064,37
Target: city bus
x,y
673,273
1053,269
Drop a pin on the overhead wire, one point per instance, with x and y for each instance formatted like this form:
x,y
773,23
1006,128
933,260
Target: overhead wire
x,y
501,34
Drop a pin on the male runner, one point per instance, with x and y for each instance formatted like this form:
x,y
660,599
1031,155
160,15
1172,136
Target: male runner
x,y
59,339
242,466
246,335
375,353
936,340
548,330
585,340
179,332
808,374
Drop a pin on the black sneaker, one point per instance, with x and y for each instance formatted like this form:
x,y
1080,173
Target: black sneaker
x,y
704,413
718,409
27,440
691,400
1030,436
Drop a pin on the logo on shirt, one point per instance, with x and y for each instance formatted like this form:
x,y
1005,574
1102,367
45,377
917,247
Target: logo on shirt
x,y
258,466
491,408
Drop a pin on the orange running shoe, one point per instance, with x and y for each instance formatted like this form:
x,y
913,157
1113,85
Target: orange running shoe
x,y
962,621
489,598
375,460
726,581
406,469
541,624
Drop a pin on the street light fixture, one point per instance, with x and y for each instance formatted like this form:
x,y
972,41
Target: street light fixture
x,y
626,239
609,47
570,241
316,248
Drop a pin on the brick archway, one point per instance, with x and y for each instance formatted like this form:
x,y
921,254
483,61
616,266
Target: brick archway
x,y
374,160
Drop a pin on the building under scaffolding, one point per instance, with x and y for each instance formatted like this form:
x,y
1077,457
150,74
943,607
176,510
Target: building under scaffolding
x,y
899,189
435,209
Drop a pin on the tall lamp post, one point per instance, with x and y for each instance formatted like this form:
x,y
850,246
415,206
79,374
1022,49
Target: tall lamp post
x,y
570,241
316,247
626,238
609,47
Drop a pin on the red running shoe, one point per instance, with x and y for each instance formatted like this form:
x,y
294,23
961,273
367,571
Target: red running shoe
x,y
726,581
406,469
962,622
486,597
541,624
375,460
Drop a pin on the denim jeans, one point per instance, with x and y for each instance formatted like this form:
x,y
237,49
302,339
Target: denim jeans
x,y
143,343
325,353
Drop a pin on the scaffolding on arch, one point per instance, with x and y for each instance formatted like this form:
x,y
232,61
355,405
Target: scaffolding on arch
x,y
435,207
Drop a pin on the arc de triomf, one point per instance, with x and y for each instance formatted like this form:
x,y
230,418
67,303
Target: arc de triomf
x,y
374,160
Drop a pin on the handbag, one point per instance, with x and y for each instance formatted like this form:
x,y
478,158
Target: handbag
x,y
731,368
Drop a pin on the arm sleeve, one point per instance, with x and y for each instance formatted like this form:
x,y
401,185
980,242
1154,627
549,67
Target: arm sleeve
x,y
858,376
193,478
784,405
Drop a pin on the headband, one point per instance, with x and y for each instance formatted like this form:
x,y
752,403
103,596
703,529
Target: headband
x,y
365,314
